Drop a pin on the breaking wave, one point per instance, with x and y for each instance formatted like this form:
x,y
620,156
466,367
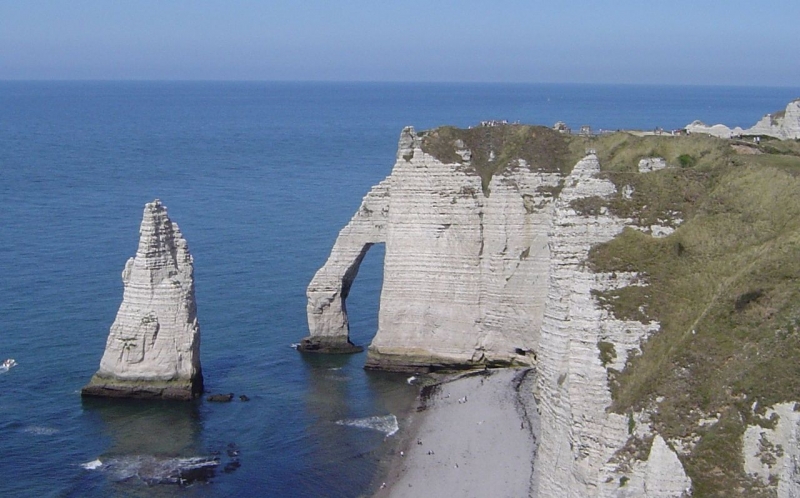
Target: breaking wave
x,y
386,424
155,470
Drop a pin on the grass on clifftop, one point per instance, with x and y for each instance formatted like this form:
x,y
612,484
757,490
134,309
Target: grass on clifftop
x,y
495,148
724,287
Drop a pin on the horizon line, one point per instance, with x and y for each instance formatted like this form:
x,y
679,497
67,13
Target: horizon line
x,y
390,82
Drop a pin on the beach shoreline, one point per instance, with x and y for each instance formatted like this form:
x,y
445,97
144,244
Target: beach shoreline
x,y
473,434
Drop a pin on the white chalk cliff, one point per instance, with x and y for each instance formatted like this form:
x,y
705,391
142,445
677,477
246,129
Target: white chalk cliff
x,y
153,348
464,273
497,276
784,125
581,439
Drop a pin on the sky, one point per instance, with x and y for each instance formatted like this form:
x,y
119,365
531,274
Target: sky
x,y
706,42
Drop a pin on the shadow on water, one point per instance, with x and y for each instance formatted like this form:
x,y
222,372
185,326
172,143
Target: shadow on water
x,y
154,443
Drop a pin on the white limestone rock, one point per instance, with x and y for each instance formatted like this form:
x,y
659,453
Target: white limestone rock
x,y
328,290
471,280
650,164
717,130
784,125
153,348
773,455
660,476
464,273
580,437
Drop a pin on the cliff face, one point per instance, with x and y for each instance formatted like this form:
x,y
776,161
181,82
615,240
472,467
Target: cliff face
x,y
653,298
153,348
497,276
464,272
581,443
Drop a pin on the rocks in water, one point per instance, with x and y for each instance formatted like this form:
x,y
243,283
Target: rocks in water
x,y
328,345
153,348
225,398
220,398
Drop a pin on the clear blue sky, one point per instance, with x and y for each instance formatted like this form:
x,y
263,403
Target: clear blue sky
x,y
730,42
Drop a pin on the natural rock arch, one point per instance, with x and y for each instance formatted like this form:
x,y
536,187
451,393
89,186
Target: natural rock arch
x,y
464,273
327,293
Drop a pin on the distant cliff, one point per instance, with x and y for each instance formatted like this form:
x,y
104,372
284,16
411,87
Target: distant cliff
x,y
784,125
651,281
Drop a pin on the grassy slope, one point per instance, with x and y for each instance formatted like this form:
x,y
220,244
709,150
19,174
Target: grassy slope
x,y
724,287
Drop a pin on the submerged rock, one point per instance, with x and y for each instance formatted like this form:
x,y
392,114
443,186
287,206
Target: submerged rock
x,y
220,398
153,348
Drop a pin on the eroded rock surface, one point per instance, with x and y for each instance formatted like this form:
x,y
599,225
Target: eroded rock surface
x,y
153,348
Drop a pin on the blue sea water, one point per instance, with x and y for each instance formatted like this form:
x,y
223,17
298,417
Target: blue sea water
x,y
260,177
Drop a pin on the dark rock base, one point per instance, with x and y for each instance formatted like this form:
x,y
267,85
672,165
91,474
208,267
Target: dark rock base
x,y
409,362
181,390
328,346
220,398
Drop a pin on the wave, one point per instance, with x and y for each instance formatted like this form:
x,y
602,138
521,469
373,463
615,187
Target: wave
x,y
40,430
156,470
381,423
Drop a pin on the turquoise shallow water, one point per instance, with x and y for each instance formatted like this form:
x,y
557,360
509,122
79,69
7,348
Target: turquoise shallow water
x,y
260,177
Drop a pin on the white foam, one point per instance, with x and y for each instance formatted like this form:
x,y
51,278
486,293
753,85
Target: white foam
x,y
155,470
382,423
93,465
40,430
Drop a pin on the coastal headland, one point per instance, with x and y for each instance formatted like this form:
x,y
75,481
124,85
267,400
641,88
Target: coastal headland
x,y
645,281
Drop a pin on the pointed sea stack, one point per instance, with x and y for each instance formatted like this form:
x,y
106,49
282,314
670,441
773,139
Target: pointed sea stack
x,y
153,348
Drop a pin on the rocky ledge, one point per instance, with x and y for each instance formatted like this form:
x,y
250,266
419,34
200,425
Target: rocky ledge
x,y
153,348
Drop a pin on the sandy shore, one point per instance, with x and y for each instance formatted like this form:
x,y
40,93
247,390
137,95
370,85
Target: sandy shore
x,y
472,437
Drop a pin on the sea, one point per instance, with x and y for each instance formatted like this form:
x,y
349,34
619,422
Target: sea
x,y
260,176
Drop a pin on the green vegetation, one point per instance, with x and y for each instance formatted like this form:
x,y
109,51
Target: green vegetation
x,y
686,161
724,287
607,352
495,148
